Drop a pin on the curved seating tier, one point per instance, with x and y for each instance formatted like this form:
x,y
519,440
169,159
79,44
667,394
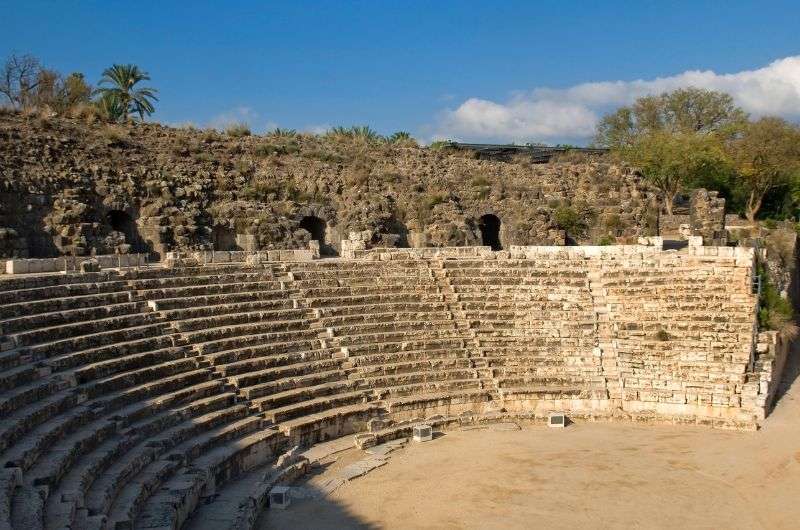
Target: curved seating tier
x,y
127,397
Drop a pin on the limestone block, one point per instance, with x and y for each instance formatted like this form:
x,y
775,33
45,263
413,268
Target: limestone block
x,y
34,266
375,425
313,246
365,440
17,266
247,242
221,256
91,265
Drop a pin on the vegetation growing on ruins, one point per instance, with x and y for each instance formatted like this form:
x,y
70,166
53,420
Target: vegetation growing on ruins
x,y
28,85
775,311
237,130
694,138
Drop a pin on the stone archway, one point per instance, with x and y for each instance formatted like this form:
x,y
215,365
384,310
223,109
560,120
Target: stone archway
x,y
318,229
224,238
122,222
489,225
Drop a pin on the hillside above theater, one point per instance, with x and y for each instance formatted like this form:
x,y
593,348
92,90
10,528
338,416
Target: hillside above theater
x,y
76,188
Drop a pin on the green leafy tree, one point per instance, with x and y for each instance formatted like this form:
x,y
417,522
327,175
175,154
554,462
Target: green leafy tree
x,y
766,155
119,82
59,93
671,160
76,90
686,110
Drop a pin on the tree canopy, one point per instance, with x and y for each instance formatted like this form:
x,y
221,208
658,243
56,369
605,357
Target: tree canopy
x,y
119,82
699,138
670,160
766,155
684,111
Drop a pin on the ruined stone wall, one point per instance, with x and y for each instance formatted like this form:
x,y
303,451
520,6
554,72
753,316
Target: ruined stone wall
x,y
707,216
71,188
761,390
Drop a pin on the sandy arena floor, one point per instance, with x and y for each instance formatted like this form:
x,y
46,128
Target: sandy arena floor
x,y
596,475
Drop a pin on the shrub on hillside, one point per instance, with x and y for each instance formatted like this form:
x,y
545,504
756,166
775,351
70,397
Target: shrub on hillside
x,y
237,130
566,218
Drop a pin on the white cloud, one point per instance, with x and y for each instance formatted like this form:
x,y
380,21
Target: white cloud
x,y
570,114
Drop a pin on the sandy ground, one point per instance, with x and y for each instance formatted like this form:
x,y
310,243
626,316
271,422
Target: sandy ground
x,y
595,475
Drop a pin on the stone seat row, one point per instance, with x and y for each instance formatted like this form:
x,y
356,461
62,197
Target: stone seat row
x,y
339,301
229,317
139,496
71,330
53,305
108,387
204,290
60,291
377,289
544,280
28,415
205,302
188,378
387,306
356,276
139,439
96,378
36,321
173,281
21,283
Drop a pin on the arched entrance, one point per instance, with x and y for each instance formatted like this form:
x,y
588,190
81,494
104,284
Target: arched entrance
x,y
224,238
122,222
317,227
489,225
119,221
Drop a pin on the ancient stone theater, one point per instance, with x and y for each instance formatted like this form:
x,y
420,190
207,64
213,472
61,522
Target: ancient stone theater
x,y
182,343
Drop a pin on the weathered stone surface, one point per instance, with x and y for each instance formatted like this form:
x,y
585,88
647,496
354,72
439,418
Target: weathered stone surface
x,y
113,189
137,395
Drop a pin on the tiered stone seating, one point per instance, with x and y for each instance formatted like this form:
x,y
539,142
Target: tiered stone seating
x,y
396,330
115,386
534,324
683,335
128,397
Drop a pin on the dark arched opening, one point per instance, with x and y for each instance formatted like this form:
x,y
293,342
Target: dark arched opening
x,y
398,234
317,227
224,238
119,221
122,222
489,225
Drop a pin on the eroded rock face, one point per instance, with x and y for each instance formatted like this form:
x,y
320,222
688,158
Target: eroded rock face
x,y
78,189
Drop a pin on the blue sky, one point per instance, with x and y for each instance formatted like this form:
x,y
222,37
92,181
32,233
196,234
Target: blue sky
x,y
468,70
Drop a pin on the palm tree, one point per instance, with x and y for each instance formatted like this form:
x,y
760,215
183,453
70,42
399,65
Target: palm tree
x,y
110,107
122,79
